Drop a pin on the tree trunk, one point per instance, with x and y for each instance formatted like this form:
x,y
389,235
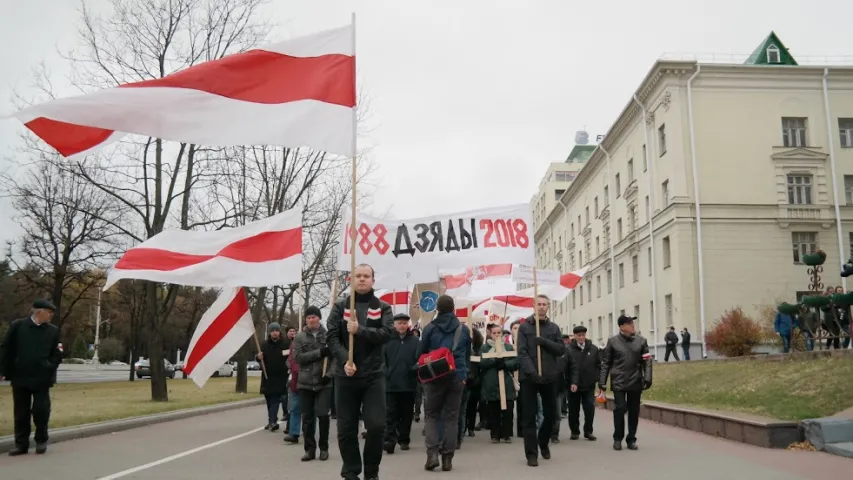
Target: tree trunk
x,y
159,392
132,376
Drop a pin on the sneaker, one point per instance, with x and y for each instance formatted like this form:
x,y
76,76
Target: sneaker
x,y
575,436
496,440
291,439
404,446
274,427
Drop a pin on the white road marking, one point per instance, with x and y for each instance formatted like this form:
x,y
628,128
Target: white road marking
x,y
187,453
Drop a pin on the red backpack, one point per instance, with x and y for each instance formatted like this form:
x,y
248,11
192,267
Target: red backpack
x,y
439,363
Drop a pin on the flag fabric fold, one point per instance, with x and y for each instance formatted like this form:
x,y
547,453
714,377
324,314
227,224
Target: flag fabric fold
x,y
222,330
299,92
261,253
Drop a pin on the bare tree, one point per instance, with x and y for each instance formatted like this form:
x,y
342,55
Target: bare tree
x,y
67,232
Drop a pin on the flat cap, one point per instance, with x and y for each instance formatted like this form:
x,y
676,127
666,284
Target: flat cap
x,y
44,304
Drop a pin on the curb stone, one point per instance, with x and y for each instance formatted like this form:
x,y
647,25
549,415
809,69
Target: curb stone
x,y
7,443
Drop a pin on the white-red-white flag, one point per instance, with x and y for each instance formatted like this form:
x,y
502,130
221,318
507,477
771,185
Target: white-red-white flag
x,y
558,292
458,282
222,330
504,306
264,252
398,299
299,92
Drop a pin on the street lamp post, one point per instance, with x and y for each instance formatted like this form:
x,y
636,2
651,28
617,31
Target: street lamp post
x,y
98,323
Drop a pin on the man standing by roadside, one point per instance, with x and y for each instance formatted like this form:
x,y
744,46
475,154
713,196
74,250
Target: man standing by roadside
x,y
31,354
315,386
360,385
273,355
401,359
628,363
551,347
685,343
671,339
581,376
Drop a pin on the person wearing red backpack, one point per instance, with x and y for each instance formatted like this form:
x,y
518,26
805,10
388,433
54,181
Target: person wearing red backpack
x,y
444,343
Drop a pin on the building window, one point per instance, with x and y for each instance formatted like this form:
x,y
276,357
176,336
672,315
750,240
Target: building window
x,y
610,321
595,204
845,132
564,176
600,330
645,160
635,268
619,230
558,194
573,230
848,189
589,291
607,235
588,246
637,316
574,304
618,186
649,256
580,257
664,192
572,260
579,222
665,246
581,290
630,171
598,286
610,274
587,216
773,55
621,275
800,189
597,247
652,309
667,303
794,132
803,243
662,139
606,196
633,216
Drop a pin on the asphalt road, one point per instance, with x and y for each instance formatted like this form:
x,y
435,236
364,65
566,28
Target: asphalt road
x,y
231,445
69,373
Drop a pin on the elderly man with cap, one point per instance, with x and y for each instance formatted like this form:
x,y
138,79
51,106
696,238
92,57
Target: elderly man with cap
x,y
401,360
315,383
628,363
273,355
31,354
581,378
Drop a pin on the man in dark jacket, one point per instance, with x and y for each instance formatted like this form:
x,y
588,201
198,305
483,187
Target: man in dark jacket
x,y
685,343
315,386
566,367
401,360
360,384
273,355
549,348
444,395
31,354
671,340
581,377
628,363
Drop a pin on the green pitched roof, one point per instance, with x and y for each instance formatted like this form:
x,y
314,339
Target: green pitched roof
x,y
580,153
761,57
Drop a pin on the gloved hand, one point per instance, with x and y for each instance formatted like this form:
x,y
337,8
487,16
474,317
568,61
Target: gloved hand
x,y
325,380
325,352
647,385
538,341
500,363
537,379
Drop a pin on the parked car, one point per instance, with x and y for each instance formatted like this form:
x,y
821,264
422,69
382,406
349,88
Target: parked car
x,y
226,370
143,368
253,365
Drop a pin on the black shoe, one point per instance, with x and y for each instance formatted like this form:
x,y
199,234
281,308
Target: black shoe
x,y
308,456
575,436
532,461
508,439
291,440
18,451
267,426
589,437
389,448
617,445
447,462
41,448
555,439
431,462
375,477
324,455
334,416
496,440
417,419
404,446
274,427
545,452
470,432
633,446
478,426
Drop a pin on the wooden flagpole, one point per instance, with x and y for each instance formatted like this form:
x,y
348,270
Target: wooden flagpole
x,y
255,334
332,296
353,315
536,318
301,307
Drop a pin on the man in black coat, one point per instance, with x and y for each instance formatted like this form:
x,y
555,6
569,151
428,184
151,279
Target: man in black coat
x,y
550,345
401,360
310,351
360,384
581,378
628,363
671,339
273,355
31,354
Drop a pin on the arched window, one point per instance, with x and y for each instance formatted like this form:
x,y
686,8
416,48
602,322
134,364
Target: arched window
x,y
773,54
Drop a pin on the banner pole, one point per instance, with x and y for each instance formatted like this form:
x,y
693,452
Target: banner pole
x,y
353,315
536,318
255,334
332,295
301,306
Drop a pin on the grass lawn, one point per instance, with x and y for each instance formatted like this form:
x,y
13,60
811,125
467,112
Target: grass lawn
x,y
790,390
79,403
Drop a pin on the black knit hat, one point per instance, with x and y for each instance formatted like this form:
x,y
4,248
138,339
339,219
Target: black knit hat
x,y
44,304
445,304
312,310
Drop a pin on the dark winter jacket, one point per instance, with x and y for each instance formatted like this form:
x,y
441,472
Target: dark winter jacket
x,y
401,360
439,333
585,365
671,338
307,351
30,354
552,349
489,387
473,380
626,360
275,364
376,326
685,339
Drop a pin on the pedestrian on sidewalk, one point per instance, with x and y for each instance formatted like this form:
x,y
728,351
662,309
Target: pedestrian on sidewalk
x,y
581,375
315,386
628,363
549,345
671,340
685,343
492,372
401,361
274,382
29,358
360,384
562,390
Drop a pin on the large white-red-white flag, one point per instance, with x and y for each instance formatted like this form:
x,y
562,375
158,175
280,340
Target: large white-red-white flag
x,y
261,253
458,283
222,330
398,299
299,92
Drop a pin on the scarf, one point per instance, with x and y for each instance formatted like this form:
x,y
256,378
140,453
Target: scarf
x,y
374,306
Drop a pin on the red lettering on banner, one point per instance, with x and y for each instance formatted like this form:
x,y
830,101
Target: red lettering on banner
x,y
504,233
365,243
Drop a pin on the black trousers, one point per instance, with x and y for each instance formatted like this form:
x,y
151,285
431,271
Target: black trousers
x,y
419,398
398,417
471,409
548,391
519,407
626,402
500,421
315,405
670,349
363,396
585,399
30,403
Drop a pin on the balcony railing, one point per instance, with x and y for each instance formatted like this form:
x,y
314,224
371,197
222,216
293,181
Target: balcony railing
x,y
803,213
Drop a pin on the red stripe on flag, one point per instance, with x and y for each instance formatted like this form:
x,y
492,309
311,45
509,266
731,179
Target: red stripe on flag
x,y
569,280
476,273
515,301
396,298
217,330
263,247
67,138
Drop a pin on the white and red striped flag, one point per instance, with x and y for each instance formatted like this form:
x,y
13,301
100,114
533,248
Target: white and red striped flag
x,y
398,299
558,292
299,92
222,330
264,252
458,283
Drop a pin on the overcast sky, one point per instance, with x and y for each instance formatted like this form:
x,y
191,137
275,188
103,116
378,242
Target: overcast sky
x,y
470,101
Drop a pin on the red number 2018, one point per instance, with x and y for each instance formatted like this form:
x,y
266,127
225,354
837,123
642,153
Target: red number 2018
x,y
509,232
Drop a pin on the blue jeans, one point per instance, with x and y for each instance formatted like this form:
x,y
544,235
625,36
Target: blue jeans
x,y
786,342
295,423
809,341
686,350
273,404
